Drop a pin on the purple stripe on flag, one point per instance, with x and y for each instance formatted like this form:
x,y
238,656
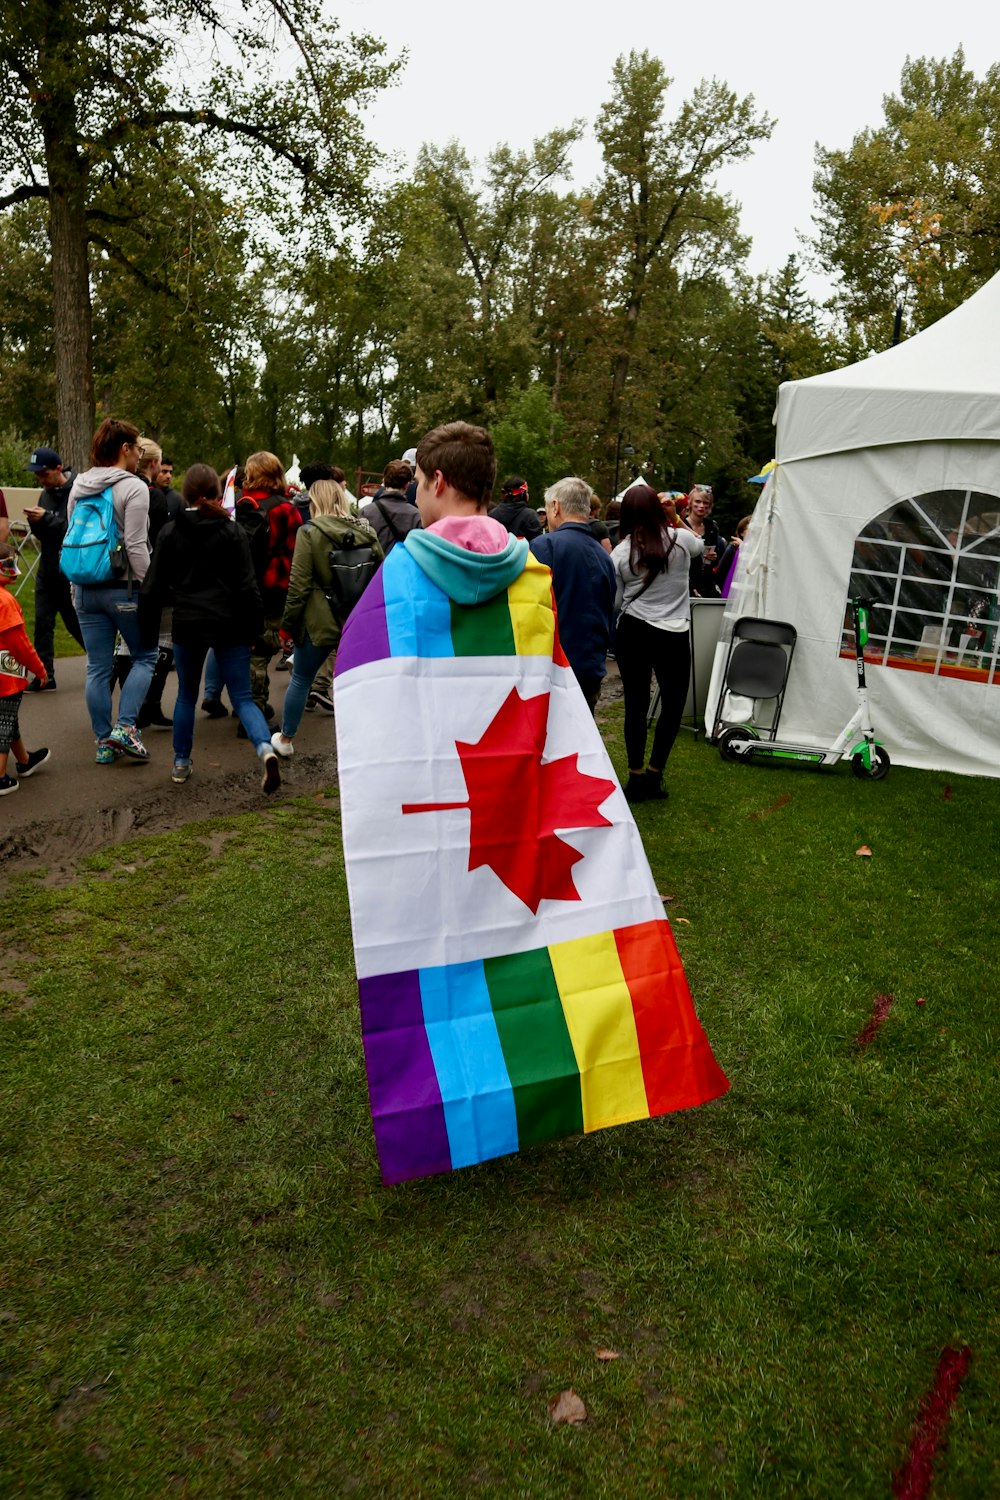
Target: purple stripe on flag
x,y
407,1112
365,637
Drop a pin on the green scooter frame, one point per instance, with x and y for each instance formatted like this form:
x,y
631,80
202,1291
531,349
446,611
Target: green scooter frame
x,y
856,742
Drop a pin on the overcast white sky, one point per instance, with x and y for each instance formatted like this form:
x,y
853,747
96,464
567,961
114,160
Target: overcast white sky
x,y
512,71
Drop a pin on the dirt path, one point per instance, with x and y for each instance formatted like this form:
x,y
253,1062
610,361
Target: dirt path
x,y
72,807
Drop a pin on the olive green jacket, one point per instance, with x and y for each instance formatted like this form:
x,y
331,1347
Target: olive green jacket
x,y
306,607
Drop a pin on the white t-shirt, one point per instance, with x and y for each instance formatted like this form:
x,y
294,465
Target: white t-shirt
x,y
666,603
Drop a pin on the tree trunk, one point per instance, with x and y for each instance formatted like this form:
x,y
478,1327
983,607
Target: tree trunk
x,y
71,311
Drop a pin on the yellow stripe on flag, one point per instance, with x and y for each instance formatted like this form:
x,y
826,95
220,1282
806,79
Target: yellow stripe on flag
x,y
598,1010
529,599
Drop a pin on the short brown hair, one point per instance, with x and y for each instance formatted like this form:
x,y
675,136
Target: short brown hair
x,y
465,456
264,471
396,475
109,440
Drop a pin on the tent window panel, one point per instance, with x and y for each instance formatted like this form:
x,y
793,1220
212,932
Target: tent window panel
x,y
976,571
933,565
921,563
944,509
880,557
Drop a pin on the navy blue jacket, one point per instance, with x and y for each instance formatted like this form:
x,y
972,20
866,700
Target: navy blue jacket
x,y
583,580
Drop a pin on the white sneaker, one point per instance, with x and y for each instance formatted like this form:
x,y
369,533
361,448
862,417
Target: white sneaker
x,y
282,746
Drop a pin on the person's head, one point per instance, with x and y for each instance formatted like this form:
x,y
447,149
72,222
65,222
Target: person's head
x,y
613,511
515,488
150,458
202,488
164,475
46,465
397,474
115,446
595,508
700,501
741,527
309,473
567,500
456,471
642,521
337,474
327,498
9,571
264,471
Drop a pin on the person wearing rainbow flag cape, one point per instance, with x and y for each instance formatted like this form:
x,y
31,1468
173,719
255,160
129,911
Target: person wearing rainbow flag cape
x,y
517,975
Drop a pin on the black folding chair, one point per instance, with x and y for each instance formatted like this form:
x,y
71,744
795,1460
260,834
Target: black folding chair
x,y
757,667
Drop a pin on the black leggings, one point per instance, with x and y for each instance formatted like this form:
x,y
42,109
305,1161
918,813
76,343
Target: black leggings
x,y
643,650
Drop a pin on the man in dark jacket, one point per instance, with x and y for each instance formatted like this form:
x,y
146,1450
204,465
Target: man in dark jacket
x,y
583,581
514,512
389,513
53,592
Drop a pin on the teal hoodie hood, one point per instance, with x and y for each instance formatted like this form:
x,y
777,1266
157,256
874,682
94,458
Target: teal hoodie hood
x,y
466,577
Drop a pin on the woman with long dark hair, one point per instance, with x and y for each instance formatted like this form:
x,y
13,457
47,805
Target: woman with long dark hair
x,y
652,562
202,568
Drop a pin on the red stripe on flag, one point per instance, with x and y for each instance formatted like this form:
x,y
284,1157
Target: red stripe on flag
x,y
678,1068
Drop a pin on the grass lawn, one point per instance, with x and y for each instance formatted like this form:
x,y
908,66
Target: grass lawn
x,y
205,1290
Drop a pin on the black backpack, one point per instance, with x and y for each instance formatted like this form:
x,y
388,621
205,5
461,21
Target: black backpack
x,y
353,565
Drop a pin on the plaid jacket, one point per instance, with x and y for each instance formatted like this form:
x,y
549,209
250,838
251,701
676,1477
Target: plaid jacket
x,y
283,521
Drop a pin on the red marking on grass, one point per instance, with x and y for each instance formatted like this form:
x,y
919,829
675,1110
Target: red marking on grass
x,y
947,792
776,806
881,1006
912,1481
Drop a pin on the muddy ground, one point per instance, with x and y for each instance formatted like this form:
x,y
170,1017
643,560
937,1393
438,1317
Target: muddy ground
x,y
71,807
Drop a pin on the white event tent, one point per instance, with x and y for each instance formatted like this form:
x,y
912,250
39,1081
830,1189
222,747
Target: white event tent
x,y
887,485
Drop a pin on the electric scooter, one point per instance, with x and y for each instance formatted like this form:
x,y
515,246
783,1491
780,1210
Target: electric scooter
x,y
855,742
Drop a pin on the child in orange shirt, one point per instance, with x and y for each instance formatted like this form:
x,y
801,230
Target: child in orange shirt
x,y
17,658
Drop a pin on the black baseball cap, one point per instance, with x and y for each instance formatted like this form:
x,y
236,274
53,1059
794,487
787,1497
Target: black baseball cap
x,y
44,458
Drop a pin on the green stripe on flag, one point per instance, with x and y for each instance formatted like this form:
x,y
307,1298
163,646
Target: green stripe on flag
x,y
483,629
536,1046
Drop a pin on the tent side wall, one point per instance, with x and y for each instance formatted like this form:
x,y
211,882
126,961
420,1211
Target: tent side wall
x,y
798,567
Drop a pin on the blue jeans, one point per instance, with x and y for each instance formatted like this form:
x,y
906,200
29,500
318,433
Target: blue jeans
x,y
104,612
234,669
305,664
213,677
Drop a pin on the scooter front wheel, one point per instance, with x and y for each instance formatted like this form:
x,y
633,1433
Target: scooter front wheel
x,y
729,736
880,765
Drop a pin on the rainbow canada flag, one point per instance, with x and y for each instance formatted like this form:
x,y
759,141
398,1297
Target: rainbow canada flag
x,y
518,979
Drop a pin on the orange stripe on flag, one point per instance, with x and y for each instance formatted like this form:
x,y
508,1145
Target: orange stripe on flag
x,y
678,1068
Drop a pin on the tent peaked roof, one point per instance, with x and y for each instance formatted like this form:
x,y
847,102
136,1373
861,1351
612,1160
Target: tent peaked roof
x,y
943,383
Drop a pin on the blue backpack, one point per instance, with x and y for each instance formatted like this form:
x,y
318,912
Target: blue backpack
x,y
92,551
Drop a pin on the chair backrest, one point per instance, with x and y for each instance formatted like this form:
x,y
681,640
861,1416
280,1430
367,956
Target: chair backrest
x,y
757,670
767,632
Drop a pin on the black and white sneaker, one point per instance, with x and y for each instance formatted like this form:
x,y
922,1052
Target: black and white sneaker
x,y
35,759
320,701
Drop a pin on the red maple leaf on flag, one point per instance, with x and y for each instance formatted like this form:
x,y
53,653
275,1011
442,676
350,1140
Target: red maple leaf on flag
x,y
517,801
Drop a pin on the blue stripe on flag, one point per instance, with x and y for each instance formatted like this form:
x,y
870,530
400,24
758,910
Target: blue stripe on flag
x,y
417,614
475,1087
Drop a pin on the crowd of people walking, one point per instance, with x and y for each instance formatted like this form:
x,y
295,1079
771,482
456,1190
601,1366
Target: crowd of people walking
x,y
220,579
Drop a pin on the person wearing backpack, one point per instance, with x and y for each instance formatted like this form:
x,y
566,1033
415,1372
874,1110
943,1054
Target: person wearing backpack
x,y
265,491
314,614
390,514
203,572
105,555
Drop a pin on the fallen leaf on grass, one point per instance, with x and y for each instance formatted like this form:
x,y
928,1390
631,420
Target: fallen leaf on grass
x,y
685,920
567,1407
921,1000
605,1355
864,852
947,793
